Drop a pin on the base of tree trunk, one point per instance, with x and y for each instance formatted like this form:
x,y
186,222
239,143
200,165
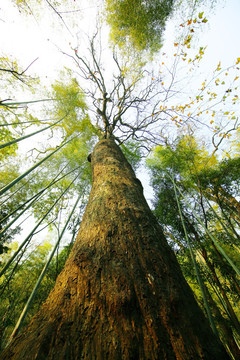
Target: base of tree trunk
x,y
121,294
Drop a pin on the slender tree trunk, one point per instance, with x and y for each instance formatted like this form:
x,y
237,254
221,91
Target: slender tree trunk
x,y
224,327
121,294
211,267
232,201
221,260
222,197
232,314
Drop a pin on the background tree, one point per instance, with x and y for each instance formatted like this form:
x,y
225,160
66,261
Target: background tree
x,y
137,22
20,285
191,167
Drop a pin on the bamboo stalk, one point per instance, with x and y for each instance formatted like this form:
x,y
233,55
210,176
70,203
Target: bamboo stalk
x,y
210,318
20,177
29,135
219,219
41,276
211,236
33,198
32,232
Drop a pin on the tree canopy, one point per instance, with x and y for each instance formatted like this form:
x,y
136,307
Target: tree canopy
x,y
139,23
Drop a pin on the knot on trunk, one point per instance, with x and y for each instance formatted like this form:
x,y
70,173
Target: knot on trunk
x,y
89,157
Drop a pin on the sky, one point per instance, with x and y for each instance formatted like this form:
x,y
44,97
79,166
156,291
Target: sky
x,y
222,38
28,38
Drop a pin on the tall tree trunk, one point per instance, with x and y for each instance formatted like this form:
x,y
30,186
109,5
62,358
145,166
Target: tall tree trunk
x,y
121,294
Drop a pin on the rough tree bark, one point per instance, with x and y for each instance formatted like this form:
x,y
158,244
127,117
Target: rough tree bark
x,y
121,294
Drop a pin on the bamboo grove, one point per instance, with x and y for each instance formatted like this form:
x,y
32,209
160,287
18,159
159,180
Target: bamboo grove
x,y
134,92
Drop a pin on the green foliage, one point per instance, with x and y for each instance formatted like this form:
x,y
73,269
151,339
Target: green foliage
x,y
210,187
8,236
198,174
225,175
72,156
16,289
185,157
5,136
13,75
69,163
140,23
10,170
69,104
27,7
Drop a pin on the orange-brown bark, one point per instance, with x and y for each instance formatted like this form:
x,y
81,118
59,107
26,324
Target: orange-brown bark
x,y
121,294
